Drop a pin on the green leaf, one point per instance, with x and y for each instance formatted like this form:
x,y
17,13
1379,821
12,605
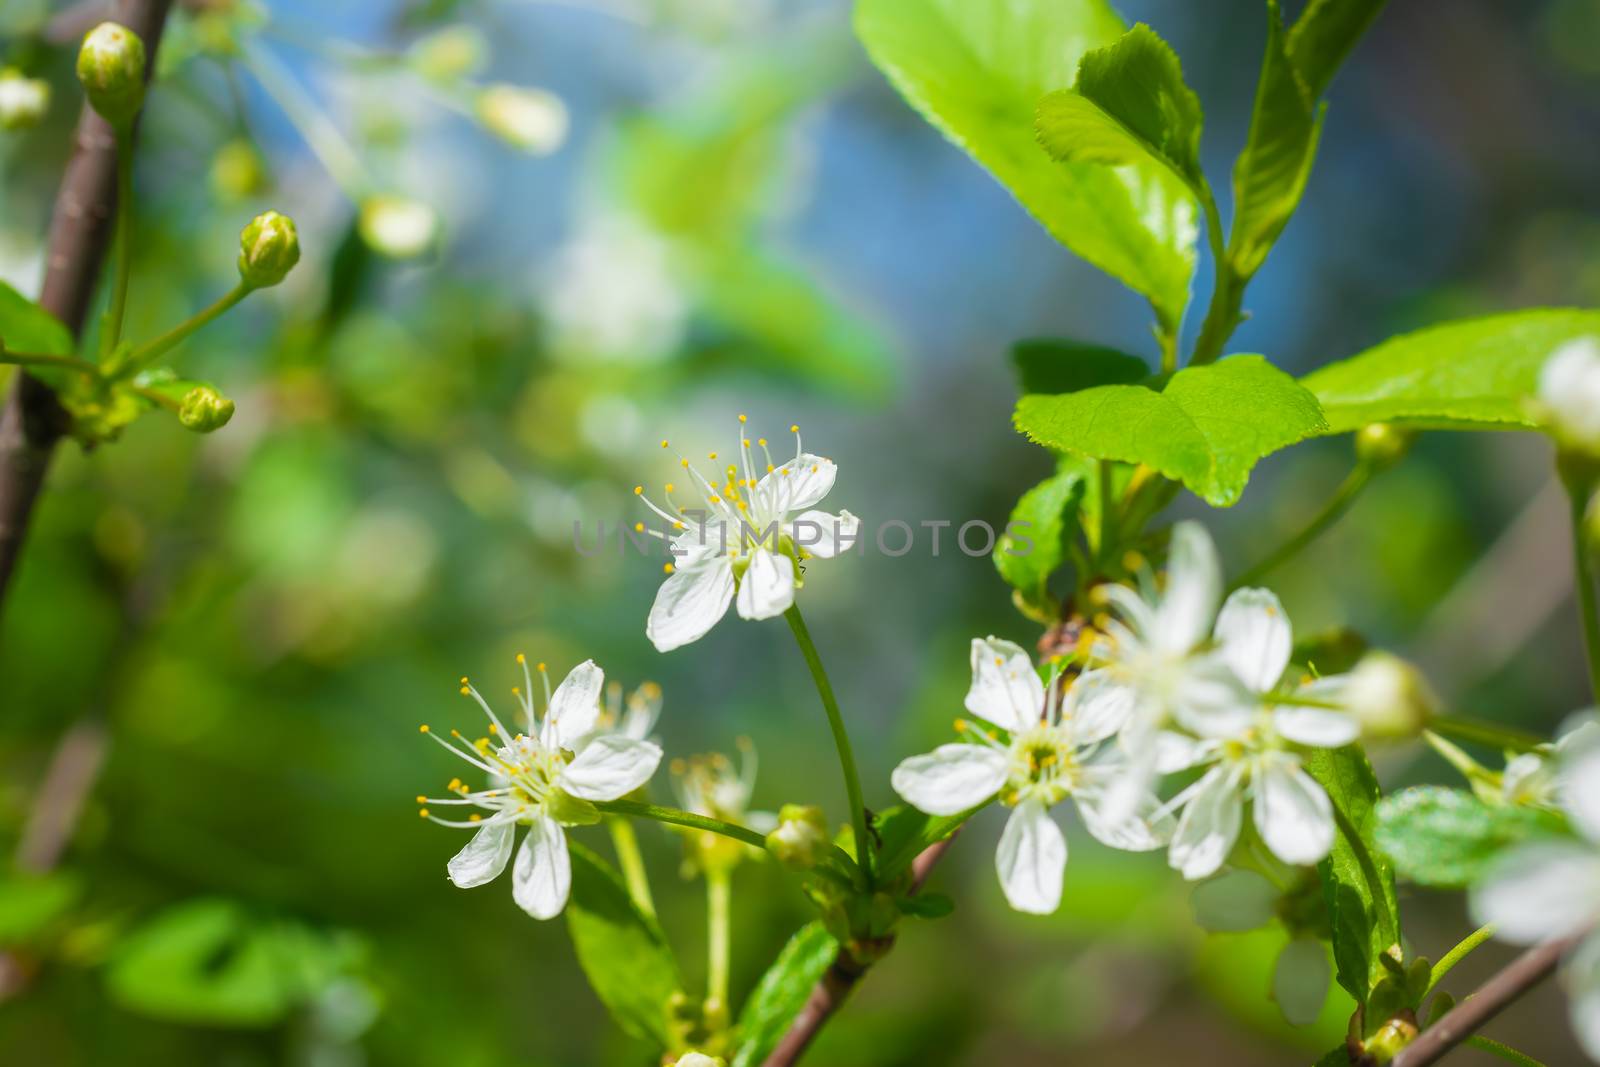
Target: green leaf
x,y
622,951
1472,374
1034,544
903,832
926,905
977,71
1047,366
1446,838
1206,426
27,327
30,903
1130,104
1270,175
782,992
212,962
1357,880
1324,35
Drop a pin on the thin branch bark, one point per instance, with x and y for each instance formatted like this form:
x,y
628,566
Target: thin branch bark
x,y
1467,1017
31,421
841,977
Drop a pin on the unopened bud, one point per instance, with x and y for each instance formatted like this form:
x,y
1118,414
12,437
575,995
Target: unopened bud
x,y
204,410
530,119
397,226
801,838
1382,445
1569,395
23,100
111,68
1389,697
699,1059
269,247
237,170
449,55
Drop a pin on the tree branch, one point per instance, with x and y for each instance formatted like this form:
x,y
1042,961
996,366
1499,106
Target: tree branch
x,y
31,421
1463,1020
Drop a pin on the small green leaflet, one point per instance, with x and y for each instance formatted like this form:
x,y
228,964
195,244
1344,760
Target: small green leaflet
x,y
31,903
1050,366
1035,542
1206,426
1365,923
782,992
1324,35
1448,838
622,951
904,832
1472,374
1130,103
977,71
27,327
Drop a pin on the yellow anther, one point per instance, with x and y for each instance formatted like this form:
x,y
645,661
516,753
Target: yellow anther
x,y
455,783
795,428
669,487
743,505
769,468
667,568
638,490
677,526
663,442
638,527
422,812
516,690
711,455
423,728
815,468
493,729
1132,560
474,817
744,442
961,726
685,463
999,661
466,691
743,419
422,800
732,470
521,658
541,668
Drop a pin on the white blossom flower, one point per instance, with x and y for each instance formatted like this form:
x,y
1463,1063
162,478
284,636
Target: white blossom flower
x,y
713,786
545,779
398,226
532,120
1569,393
617,290
1248,748
1548,889
744,534
23,100
1057,745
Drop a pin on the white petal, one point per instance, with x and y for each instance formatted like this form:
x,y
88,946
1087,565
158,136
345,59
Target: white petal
x,y
1317,727
1540,890
574,706
1194,585
1209,700
484,857
1006,690
1233,901
1579,780
611,766
1178,752
1254,638
689,603
1098,706
1300,980
542,875
951,778
824,535
1141,830
1292,812
796,485
1031,859
767,588
1582,979
1209,825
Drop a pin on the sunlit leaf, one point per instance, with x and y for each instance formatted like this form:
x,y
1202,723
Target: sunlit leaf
x,y
1034,544
782,992
1447,838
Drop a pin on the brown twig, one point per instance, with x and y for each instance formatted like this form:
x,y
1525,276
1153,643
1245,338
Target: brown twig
x,y
31,421
1466,1018
841,977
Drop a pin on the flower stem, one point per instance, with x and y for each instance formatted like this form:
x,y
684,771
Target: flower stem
x,y
841,740
718,927
340,160
626,842
1504,1051
43,359
1587,608
154,349
1456,955
1484,733
1227,292
123,268
675,817
1342,498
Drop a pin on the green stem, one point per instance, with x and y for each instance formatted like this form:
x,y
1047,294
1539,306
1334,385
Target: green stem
x,y
841,740
1227,293
1577,492
1456,955
1369,868
1485,733
718,928
1504,1051
152,350
123,269
1168,339
640,810
626,842
1108,515
1336,506
321,135
42,359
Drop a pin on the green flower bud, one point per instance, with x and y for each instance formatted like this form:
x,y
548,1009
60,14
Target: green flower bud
x,y
528,119
449,55
23,100
268,249
801,838
1383,445
1389,697
205,410
237,170
398,227
111,68
699,1059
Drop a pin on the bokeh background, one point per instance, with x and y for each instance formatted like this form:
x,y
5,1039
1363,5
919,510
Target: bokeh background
x,y
223,645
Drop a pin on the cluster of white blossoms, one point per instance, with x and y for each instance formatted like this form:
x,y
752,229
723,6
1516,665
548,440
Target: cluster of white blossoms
x,y
1173,684
545,778
741,537
1548,889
